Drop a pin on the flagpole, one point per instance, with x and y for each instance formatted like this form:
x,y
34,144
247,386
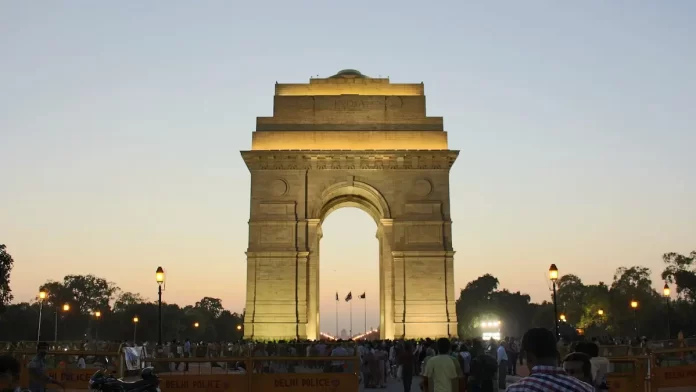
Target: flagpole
x,y
336,336
365,307
351,319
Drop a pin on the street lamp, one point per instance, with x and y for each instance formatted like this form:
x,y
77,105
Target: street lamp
x,y
634,306
600,312
159,276
666,293
42,297
66,308
562,317
97,315
239,328
135,329
196,325
553,276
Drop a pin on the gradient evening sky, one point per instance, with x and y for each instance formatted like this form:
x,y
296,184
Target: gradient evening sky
x,y
121,125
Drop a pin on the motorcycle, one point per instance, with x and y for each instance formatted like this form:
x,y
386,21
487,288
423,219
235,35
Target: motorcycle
x,y
103,382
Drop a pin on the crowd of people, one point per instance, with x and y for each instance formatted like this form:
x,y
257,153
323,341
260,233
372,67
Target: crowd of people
x,y
441,365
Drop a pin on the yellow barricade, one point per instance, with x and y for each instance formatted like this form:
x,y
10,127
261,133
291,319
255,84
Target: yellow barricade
x,y
326,382
627,376
63,365
204,383
251,374
674,370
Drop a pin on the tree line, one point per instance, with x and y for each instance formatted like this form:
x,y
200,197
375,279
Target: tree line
x,y
480,300
88,296
592,309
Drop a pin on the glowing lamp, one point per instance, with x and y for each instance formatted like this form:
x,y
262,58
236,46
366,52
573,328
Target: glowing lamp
x,y
665,291
159,275
562,317
43,294
136,319
97,314
196,324
600,312
553,272
66,307
634,304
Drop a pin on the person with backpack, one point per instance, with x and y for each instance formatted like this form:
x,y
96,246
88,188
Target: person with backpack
x,y
464,359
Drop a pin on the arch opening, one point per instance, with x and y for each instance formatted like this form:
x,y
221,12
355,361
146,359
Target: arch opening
x,y
350,262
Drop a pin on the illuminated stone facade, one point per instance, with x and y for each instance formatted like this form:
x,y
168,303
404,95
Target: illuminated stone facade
x,y
350,140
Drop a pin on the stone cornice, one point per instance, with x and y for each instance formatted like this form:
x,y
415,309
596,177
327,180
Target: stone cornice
x,y
350,159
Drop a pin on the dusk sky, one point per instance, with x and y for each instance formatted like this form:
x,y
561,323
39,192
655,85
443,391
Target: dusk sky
x,y
121,125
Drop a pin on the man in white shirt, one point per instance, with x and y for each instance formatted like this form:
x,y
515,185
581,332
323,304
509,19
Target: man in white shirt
x,y
187,352
339,351
502,366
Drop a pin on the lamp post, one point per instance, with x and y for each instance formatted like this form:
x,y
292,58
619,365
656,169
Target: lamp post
x,y
159,276
97,315
135,329
634,306
665,293
553,275
42,296
66,308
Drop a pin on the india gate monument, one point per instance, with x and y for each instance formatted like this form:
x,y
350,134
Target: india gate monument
x,y
350,140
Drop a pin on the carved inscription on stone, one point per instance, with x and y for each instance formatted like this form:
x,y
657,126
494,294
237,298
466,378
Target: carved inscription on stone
x,y
424,234
357,104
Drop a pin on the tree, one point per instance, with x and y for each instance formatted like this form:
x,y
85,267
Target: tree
x,y
126,300
212,306
90,293
570,296
631,284
6,264
680,270
57,293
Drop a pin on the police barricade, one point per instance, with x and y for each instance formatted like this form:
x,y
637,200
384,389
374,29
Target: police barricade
x,y
294,374
626,374
261,373
202,374
674,370
64,363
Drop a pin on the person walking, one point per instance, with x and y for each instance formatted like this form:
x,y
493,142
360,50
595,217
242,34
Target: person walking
x,y
406,362
501,354
442,372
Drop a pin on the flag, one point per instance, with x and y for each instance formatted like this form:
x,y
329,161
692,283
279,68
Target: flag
x,y
337,296
362,296
349,296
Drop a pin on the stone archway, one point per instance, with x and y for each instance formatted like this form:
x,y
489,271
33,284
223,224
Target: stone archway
x,y
375,150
